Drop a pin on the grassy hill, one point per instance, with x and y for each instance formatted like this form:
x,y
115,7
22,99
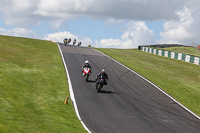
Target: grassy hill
x,y
33,88
179,79
185,50
33,84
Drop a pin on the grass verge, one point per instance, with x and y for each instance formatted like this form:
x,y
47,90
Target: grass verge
x,y
185,50
179,79
33,88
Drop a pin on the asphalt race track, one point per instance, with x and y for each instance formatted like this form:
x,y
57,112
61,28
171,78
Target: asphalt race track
x,y
128,104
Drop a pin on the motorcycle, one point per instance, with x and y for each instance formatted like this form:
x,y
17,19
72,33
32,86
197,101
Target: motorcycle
x,y
69,40
74,42
86,73
101,82
79,44
65,42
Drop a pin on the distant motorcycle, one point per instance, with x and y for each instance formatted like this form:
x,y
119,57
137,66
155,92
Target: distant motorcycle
x,y
65,41
69,40
100,84
86,73
74,42
79,44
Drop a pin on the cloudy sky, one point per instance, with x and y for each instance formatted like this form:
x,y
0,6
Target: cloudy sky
x,y
103,23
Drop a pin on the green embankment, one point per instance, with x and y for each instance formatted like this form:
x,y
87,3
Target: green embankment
x,y
179,79
33,88
185,50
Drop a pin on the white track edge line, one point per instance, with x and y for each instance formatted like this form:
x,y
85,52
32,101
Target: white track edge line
x,y
72,92
152,84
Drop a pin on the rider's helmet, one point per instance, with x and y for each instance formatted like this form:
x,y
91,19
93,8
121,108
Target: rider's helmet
x,y
103,71
87,63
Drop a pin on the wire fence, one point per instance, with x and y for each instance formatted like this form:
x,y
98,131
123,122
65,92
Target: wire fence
x,y
194,44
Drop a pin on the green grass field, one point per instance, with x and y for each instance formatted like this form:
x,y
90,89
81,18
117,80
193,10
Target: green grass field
x,y
33,88
33,84
179,79
185,50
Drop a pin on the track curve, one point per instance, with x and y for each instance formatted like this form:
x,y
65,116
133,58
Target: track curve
x,y
127,104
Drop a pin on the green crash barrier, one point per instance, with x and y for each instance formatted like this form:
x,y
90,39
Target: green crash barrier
x,y
173,55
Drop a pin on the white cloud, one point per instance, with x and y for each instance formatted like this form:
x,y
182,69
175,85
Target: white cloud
x,y
60,36
178,31
108,43
56,24
181,18
31,12
19,13
112,21
20,32
137,33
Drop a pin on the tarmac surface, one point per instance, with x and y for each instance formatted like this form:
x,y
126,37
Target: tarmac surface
x,y
128,104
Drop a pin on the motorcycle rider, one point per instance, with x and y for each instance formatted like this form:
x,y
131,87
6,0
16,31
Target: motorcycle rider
x,y
86,65
69,40
104,76
74,42
65,41
79,43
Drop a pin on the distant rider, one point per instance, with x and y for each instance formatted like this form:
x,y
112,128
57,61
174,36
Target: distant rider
x,y
104,76
69,40
79,43
74,42
86,65
65,41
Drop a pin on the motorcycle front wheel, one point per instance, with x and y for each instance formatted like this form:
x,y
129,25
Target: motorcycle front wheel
x,y
86,77
98,88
